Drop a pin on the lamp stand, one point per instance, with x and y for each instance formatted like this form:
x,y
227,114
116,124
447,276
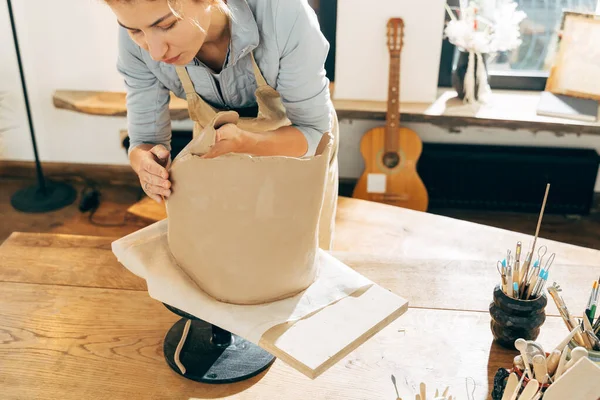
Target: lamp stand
x,y
45,195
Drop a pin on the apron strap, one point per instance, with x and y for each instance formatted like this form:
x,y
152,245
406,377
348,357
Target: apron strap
x,y
198,109
260,80
184,77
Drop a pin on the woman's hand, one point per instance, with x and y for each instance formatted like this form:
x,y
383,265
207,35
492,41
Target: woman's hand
x,y
284,141
230,139
150,163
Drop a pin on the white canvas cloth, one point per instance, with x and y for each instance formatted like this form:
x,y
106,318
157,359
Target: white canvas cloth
x,y
146,254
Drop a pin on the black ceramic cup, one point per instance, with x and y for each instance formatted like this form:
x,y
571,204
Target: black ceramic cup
x,y
514,318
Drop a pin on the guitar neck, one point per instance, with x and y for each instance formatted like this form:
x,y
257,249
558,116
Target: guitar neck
x,y
393,105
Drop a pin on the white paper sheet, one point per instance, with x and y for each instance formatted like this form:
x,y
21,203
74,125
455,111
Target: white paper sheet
x,y
146,254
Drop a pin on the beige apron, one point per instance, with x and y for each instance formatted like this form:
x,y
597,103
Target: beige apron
x,y
248,232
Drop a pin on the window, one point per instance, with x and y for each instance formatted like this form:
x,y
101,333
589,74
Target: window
x,y
525,68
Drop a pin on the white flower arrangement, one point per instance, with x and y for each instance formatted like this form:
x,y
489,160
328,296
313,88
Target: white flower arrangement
x,y
483,27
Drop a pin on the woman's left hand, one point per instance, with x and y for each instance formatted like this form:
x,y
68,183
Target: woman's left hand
x,y
229,139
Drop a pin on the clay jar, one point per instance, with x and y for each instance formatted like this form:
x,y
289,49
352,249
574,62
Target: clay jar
x,y
244,228
514,318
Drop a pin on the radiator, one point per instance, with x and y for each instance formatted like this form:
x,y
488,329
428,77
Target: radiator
x,y
507,178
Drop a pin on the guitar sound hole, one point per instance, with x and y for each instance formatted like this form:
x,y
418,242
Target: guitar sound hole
x,y
391,160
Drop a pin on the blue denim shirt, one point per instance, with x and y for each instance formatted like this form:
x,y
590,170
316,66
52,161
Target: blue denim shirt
x,y
289,49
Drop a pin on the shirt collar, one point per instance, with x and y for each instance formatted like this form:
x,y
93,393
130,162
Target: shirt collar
x,y
244,30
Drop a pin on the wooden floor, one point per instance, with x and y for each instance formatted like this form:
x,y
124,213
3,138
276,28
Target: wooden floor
x,y
582,231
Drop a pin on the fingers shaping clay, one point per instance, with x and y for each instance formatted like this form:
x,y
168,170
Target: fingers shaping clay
x,y
245,229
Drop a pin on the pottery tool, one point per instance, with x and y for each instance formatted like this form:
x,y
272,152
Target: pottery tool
x,y
568,338
509,279
561,365
576,354
590,310
501,267
515,290
521,345
540,369
518,362
423,391
530,390
517,270
564,312
552,361
589,332
581,382
533,349
535,271
511,386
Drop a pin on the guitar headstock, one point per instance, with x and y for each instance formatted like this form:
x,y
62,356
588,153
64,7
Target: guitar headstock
x,y
395,35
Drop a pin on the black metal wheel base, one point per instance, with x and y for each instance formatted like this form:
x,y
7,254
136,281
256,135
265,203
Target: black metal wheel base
x,y
33,199
211,354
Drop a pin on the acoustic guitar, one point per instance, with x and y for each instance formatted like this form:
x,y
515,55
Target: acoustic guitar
x,y
391,152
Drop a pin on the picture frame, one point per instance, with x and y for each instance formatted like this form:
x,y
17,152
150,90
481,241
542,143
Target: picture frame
x,y
576,67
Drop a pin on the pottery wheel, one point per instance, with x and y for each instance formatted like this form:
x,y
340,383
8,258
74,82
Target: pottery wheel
x,y
211,354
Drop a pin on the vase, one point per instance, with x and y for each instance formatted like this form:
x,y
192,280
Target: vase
x,y
458,75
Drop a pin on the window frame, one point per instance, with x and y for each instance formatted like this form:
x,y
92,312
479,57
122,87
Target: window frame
x,y
513,80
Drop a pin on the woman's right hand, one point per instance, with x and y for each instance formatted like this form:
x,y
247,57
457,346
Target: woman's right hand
x,y
150,163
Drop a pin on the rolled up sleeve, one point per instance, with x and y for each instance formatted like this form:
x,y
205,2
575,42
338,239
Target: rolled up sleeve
x,y
302,81
148,118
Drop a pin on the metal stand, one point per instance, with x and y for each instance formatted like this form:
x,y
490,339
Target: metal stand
x,y
45,195
211,354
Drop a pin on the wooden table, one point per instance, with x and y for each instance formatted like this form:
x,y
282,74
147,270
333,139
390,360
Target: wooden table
x,y
75,324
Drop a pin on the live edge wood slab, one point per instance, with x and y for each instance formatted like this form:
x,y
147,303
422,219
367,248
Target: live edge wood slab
x,y
506,109
75,324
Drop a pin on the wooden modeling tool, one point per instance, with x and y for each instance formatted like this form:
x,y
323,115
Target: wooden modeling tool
x,y
581,382
530,390
511,386
423,391
552,361
561,365
521,345
540,369
576,354
568,338
518,362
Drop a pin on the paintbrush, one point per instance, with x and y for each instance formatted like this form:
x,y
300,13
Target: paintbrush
x,y
537,232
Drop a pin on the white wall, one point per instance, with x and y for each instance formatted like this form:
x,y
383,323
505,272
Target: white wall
x,y
71,44
65,44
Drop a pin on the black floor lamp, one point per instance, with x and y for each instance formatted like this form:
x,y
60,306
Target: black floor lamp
x,y
45,195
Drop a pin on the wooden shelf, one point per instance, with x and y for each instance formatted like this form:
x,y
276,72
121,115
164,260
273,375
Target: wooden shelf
x,y
505,109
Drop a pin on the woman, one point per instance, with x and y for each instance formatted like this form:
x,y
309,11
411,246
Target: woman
x,y
243,55
217,43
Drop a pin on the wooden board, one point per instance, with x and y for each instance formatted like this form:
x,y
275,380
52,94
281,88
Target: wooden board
x,y
383,230
108,103
67,343
507,109
316,343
